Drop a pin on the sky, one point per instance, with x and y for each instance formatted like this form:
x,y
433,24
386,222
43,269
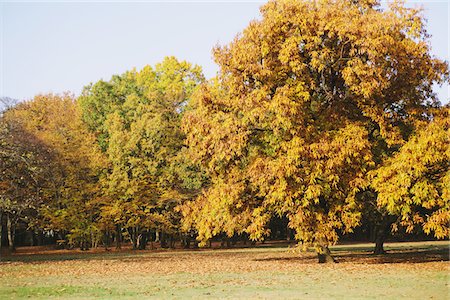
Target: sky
x,y
57,46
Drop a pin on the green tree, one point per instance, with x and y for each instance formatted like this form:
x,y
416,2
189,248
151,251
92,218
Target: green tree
x,y
290,124
140,133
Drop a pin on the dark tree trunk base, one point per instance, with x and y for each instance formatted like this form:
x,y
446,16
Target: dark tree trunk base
x,y
324,255
379,249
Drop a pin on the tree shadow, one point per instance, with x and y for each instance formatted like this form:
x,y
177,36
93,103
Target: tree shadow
x,y
397,256
104,256
362,256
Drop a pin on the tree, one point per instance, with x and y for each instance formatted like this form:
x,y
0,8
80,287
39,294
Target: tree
x,y
7,103
305,98
22,173
414,184
71,188
136,117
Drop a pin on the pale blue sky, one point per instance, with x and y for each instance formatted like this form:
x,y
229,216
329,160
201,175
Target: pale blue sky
x,y
61,46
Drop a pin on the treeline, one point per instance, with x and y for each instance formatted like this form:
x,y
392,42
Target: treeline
x,y
322,116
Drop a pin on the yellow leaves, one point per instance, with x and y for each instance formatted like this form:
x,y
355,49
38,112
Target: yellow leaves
x,y
351,219
292,117
265,48
258,226
417,176
438,223
313,192
289,51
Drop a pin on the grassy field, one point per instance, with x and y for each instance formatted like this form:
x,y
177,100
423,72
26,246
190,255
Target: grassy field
x,y
408,271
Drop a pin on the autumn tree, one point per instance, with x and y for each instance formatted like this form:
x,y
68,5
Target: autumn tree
x,y
308,99
23,171
71,185
414,184
136,118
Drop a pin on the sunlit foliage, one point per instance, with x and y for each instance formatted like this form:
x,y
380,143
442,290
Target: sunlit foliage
x,y
136,117
415,182
289,125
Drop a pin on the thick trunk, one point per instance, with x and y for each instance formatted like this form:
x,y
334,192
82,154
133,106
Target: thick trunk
x,y
381,233
324,255
379,249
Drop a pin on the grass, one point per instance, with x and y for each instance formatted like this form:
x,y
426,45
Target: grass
x,y
407,271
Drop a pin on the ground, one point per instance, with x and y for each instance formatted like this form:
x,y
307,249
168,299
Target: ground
x,y
419,270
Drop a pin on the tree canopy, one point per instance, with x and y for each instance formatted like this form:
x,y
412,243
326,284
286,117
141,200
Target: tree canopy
x,y
137,118
304,99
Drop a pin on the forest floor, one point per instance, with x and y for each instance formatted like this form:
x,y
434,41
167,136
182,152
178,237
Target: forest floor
x,y
413,270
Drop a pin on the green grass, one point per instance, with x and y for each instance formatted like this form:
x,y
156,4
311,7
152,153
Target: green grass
x,y
408,271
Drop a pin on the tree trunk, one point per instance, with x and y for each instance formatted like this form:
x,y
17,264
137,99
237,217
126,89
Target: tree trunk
x,y
186,240
171,242
381,233
134,237
138,240
1,232
380,238
324,255
163,240
379,248
143,241
106,240
11,233
118,237
94,241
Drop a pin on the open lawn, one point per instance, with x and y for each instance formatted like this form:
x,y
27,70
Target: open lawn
x,y
419,270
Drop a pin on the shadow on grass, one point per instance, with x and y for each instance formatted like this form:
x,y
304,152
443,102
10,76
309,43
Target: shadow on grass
x,y
358,253
365,256
42,255
46,257
397,256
